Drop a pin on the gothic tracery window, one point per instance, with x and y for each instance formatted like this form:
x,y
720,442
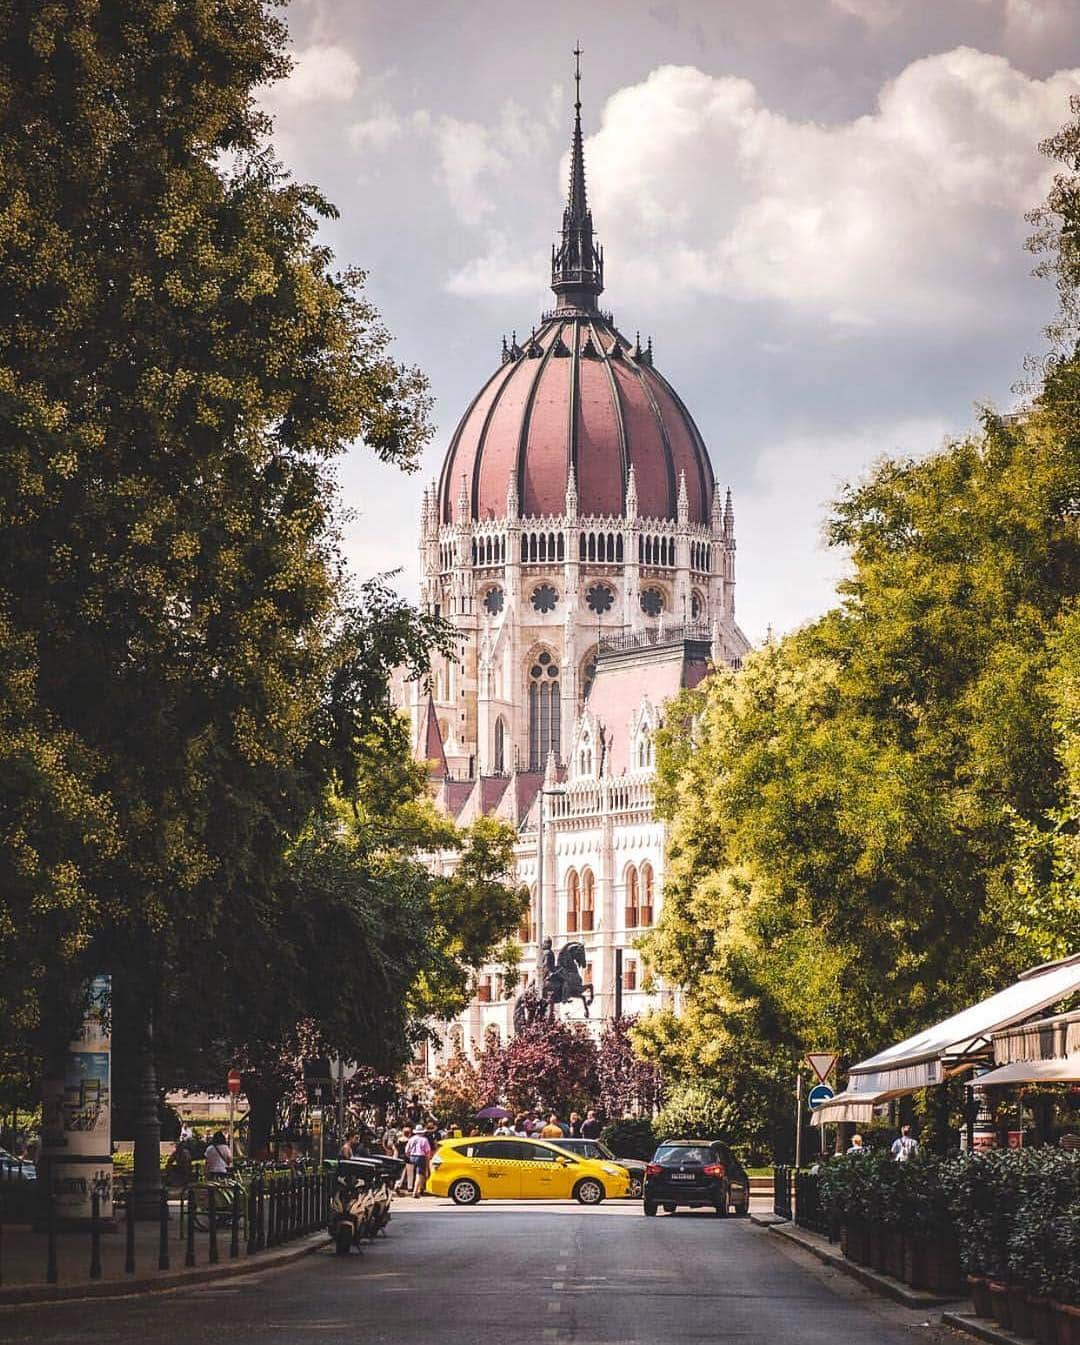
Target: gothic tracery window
x,y
493,601
573,901
545,721
632,909
599,598
588,900
544,598
652,601
500,746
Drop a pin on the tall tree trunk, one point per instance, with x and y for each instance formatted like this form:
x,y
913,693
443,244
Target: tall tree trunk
x,y
263,1108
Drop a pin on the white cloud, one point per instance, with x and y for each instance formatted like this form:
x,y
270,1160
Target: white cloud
x,y
323,72
784,566
905,214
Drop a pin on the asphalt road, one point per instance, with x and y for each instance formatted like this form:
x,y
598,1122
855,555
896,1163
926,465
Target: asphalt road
x,y
512,1272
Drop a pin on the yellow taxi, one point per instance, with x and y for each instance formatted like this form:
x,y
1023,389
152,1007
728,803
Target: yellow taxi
x,y
492,1168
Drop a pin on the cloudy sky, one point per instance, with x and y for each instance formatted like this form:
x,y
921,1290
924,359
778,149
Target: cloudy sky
x,y
816,208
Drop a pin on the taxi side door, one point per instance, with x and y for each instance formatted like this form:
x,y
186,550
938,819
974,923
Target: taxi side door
x,y
548,1175
498,1168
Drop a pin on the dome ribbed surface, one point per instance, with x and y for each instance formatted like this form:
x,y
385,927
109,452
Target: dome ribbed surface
x,y
576,395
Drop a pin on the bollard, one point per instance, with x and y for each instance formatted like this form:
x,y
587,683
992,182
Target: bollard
x,y
211,1204
163,1229
51,1273
237,1206
270,1211
260,1214
129,1230
95,1235
189,1257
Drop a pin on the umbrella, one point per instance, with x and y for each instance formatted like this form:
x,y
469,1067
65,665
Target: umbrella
x,y
492,1114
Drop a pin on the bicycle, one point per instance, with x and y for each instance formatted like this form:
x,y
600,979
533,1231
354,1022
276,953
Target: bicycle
x,y
230,1203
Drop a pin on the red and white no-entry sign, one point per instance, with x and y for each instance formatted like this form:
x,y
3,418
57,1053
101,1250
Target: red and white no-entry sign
x,y
234,1081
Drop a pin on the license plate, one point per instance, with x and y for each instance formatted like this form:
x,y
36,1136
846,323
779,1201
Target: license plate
x,y
682,1176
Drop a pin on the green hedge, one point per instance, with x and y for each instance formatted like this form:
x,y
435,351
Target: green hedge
x,y
1015,1213
632,1137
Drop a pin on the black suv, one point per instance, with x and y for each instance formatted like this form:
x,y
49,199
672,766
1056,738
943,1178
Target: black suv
x,y
696,1173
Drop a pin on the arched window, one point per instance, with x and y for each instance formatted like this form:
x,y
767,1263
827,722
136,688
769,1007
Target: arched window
x,y
527,928
644,750
573,902
646,917
588,901
500,746
585,757
544,711
633,913
629,976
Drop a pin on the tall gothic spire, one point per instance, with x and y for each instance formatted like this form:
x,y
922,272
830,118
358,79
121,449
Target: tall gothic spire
x,y
577,264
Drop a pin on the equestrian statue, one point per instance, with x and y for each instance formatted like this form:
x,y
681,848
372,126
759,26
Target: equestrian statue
x,y
561,983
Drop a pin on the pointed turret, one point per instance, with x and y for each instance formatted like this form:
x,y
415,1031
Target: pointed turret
x,y
682,506
631,494
571,495
463,511
577,265
729,518
512,498
429,742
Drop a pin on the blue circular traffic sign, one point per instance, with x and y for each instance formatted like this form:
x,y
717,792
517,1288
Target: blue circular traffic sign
x,y
821,1092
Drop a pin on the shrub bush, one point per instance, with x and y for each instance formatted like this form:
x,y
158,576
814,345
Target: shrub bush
x,y
632,1137
694,1111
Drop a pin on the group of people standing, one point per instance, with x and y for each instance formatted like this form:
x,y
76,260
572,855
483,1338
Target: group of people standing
x,y
531,1125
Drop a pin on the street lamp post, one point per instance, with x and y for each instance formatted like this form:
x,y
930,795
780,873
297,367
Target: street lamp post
x,y
549,793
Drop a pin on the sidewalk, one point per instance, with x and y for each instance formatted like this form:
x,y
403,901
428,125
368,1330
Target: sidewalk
x,y
831,1254
24,1261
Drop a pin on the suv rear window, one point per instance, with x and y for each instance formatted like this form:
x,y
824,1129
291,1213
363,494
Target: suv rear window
x,y
684,1153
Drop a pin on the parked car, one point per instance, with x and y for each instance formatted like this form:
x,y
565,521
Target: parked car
x,y
471,1169
696,1173
14,1169
586,1148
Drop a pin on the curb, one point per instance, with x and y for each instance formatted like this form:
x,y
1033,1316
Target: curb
x,y
979,1328
29,1295
881,1284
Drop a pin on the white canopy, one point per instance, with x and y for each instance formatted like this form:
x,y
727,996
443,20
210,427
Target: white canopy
x,y
1065,1069
847,1106
918,1061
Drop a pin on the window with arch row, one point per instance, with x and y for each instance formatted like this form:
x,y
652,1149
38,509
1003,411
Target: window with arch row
x,y
537,547
580,901
656,550
638,911
605,548
527,929
489,551
545,711
699,556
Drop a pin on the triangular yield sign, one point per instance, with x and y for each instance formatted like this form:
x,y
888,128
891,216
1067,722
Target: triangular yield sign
x,y
822,1063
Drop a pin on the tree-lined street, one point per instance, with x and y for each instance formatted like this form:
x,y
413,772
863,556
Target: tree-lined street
x,y
541,1273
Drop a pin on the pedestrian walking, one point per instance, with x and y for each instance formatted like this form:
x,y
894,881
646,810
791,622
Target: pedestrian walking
x,y
178,1166
553,1130
906,1146
417,1152
218,1157
590,1127
519,1126
404,1136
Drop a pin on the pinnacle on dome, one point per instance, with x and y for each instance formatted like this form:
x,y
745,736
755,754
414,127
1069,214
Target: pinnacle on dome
x,y
577,264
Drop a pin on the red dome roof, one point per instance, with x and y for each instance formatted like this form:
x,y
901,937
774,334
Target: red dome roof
x,y
577,394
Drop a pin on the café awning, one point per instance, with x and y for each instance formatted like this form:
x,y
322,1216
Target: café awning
x,y
848,1106
923,1059
1063,1070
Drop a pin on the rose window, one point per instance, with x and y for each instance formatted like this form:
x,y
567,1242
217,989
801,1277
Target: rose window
x,y
652,601
493,601
599,598
544,598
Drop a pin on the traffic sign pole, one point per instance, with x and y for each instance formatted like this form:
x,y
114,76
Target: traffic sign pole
x,y
233,1082
798,1115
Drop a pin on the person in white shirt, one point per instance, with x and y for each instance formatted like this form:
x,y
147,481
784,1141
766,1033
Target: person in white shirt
x,y
906,1146
218,1156
417,1153
504,1128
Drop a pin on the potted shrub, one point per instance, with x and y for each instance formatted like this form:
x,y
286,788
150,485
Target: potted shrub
x,y
1048,1187
974,1193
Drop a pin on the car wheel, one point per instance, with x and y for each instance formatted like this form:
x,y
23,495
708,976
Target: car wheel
x,y
650,1209
588,1191
636,1187
343,1239
464,1192
669,1209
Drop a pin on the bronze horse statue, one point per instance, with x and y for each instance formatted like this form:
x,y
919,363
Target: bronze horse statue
x,y
560,987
